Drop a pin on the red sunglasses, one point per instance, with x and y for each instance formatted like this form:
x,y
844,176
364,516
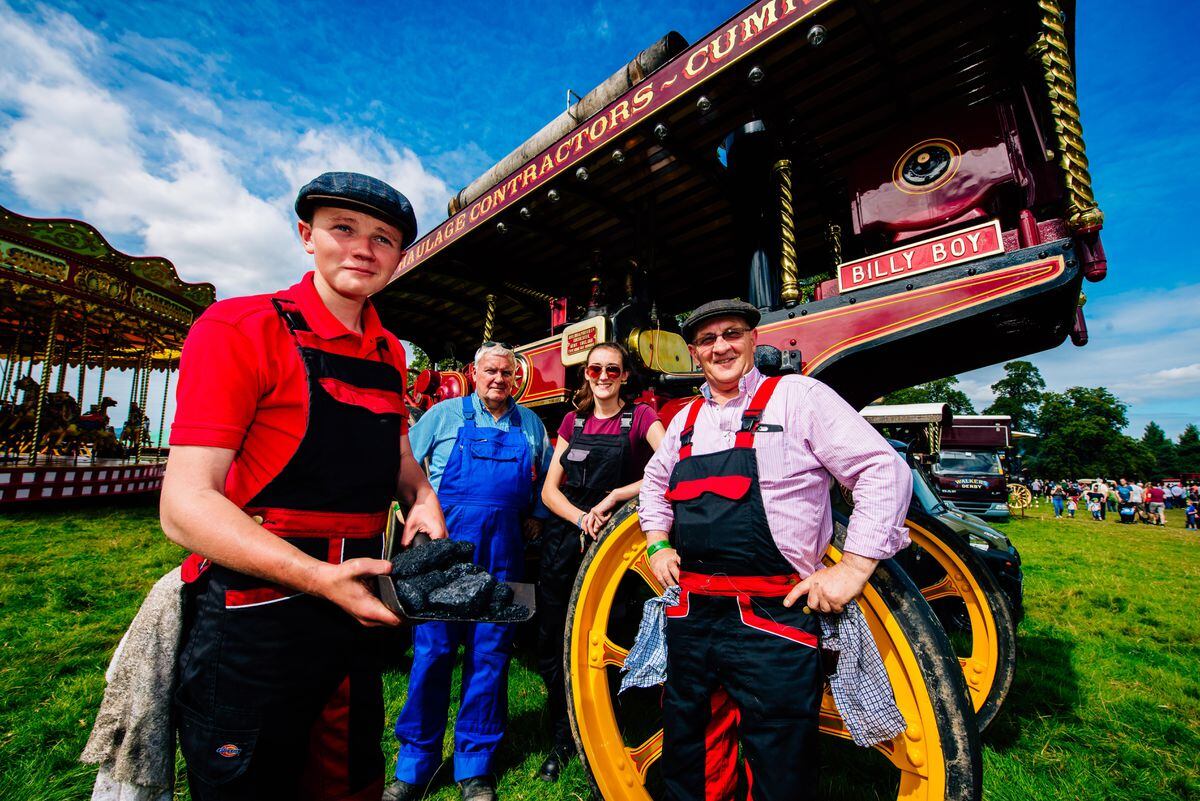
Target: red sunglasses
x,y
610,370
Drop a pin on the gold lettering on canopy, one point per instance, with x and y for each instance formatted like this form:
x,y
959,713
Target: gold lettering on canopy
x,y
743,34
164,307
39,265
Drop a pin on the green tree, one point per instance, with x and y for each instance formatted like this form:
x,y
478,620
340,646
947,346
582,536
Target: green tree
x,y
1018,394
1187,452
419,360
943,390
1080,437
1161,448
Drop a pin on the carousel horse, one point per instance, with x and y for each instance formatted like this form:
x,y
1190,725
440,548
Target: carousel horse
x,y
96,418
60,417
136,428
18,423
95,430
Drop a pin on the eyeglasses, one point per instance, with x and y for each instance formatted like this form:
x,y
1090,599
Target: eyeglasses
x,y
491,344
610,370
729,335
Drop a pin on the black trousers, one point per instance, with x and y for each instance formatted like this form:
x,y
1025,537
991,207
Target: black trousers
x,y
280,700
560,561
716,647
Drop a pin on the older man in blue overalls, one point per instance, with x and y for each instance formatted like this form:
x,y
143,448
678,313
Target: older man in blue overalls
x,y
487,457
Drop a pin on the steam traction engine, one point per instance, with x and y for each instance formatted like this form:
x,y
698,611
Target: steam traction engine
x,y
900,187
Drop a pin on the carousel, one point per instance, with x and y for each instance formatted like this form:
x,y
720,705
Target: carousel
x,y
69,301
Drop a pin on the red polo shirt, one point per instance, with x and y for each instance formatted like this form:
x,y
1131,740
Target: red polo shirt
x,y
242,383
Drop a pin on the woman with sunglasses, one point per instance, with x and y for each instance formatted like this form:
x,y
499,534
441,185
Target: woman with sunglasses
x,y
598,461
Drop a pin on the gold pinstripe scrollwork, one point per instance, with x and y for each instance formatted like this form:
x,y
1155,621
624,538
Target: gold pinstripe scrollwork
x,y
1053,53
790,290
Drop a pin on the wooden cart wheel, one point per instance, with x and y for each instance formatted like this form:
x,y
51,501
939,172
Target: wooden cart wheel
x,y
1019,496
620,738
971,607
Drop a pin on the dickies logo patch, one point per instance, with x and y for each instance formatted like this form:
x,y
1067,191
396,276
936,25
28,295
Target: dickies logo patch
x,y
229,750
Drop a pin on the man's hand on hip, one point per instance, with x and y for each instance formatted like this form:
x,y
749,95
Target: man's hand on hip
x,y
829,590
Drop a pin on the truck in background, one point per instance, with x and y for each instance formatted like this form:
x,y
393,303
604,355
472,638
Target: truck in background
x,y
971,472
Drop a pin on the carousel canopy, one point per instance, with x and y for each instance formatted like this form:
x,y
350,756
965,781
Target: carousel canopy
x,y
107,308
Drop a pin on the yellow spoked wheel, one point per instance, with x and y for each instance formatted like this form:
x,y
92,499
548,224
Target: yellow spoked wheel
x,y
971,607
620,737
1019,496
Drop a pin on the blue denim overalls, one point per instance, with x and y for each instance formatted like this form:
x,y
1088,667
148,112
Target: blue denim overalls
x,y
485,490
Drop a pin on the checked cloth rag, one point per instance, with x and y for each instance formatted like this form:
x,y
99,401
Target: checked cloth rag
x,y
860,686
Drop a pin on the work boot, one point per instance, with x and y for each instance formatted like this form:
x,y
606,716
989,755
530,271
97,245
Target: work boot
x,y
478,788
555,761
402,791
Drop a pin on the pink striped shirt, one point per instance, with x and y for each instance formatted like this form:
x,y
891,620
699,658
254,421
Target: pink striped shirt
x,y
823,439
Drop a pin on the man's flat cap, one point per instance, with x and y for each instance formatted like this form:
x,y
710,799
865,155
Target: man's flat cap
x,y
358,192
719,308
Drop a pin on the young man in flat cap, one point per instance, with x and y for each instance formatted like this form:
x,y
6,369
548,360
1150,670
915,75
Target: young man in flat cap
x,y
289,444
735,506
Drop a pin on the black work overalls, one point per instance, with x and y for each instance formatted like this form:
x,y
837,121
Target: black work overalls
x,y
279,694
730,634
593,466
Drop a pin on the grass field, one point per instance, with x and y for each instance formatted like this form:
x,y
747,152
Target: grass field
x,y
1106,702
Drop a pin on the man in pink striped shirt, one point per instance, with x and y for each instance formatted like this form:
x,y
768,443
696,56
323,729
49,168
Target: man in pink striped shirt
x,y
735,507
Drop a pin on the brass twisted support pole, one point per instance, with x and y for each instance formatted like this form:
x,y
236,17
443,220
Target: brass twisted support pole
x,y
1053,52
47,366
162,417
533,293
103,372
133,399
790,290
143,390
83,345
62,367
833,234
489,317
11,366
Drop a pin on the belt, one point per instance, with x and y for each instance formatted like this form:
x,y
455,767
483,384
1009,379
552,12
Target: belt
x,y
302,523
732,586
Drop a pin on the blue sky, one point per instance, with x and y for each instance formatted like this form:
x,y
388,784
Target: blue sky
x,y
184,130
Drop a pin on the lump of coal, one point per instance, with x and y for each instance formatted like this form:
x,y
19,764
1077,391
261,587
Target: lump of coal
x,y
502,597
410,597
466,596
432,556
509,614
457,571
414,592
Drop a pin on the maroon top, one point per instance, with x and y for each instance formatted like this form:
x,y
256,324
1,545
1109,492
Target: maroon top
x,y
643,418
1155,495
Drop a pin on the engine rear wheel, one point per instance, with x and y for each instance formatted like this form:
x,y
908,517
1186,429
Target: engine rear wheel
x,y
971,607
620,738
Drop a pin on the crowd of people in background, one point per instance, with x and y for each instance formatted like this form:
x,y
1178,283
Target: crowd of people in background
x,y
1133,501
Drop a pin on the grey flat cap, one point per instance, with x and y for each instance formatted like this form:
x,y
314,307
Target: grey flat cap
x,y
719,308
358,192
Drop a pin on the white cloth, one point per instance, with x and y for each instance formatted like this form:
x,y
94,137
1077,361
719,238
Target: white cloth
x,y
132,739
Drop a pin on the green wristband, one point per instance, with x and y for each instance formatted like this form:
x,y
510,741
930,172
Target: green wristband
x,y
656,547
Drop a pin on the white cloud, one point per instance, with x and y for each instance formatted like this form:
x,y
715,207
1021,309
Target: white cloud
x,y
1137,312
1178,381
1140,347
75,146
